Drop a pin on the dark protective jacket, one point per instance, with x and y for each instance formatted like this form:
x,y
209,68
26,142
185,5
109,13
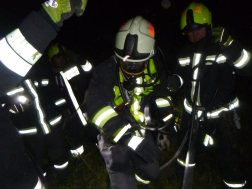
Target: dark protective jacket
x,y
16,58
103,98
217,80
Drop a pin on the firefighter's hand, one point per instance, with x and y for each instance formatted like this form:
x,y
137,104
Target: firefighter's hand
x,y
60,10
221,36
145,148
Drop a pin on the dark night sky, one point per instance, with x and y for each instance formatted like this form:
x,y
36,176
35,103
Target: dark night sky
x,y
93,33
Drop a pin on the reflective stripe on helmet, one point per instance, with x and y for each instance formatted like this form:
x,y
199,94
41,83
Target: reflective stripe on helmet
x,y
17,53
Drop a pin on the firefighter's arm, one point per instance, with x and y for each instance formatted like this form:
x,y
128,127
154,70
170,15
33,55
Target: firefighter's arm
x,y
233,51
22,48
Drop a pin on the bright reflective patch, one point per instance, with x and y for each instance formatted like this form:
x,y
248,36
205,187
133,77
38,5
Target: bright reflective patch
x,y
121,133
71,73
134,142
87,67
77,151
15,91
141,180
233,185
61,166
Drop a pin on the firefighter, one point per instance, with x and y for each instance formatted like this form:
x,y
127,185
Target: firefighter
x,y
20,49
55,103
120,102
211,59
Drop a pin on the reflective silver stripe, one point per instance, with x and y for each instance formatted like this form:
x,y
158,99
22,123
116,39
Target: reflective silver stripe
x,y
139,90
208,140
221,59
45,82
181,80
121,133
15,91
60,102
167,117
184,61
77,151
36,83
75,103
160,102
55,120
87,67
22,99
243,60
17,54
61,166
196,59
184,164
39,184
215,113
45,127
71,73
28,131
12,111
134,142
232,185
141,180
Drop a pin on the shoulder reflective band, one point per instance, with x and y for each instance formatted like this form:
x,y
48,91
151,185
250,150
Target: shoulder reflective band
x,y
184,61
233,185
71,73
77,151
121,133
17,53
28,131
134,142
243,59
160,102
75,103
55,120
39,184
60,102
87,67
103,116
45,82
181,162
208,140
141,180
45,127
15,91
61,166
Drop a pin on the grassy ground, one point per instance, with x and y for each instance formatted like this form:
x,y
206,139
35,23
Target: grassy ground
x,y
91,174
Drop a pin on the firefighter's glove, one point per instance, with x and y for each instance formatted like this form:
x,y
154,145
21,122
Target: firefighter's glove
x,y
60,10
114,155
174,82
145,148
221,36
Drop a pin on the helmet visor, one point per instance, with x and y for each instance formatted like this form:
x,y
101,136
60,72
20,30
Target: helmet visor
x,y
135,68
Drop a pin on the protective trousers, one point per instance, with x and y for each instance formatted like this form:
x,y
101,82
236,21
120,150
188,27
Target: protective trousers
x,y
16,168
223,133
123,164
